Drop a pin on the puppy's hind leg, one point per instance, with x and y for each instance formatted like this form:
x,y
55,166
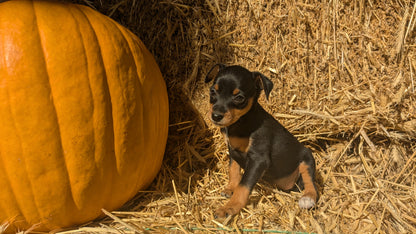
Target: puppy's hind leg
x,y
307,172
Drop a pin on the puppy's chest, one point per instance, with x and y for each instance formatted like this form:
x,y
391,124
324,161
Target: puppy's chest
x,y
236,142
239,144
238,148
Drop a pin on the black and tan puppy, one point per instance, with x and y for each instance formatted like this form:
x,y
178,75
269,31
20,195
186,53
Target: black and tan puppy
x,y
257,142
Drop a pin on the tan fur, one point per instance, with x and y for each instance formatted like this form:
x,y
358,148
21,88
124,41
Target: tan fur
x,y
233,115
310,190
234,179
289,181
238,201
241,144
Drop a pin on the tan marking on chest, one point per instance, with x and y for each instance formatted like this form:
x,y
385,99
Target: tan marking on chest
x,y
241,144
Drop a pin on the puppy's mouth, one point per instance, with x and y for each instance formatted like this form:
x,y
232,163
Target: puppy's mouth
x,y
219,123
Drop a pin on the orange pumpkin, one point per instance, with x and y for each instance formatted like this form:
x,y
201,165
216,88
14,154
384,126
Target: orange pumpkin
x,y
83,114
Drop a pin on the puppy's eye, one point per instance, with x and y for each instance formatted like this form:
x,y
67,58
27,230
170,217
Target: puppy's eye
x,y
212,92
239,99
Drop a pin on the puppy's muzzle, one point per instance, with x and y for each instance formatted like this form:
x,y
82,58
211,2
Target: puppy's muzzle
x,y
217,117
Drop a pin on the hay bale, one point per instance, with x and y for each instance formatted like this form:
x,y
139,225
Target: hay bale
x,y
344,74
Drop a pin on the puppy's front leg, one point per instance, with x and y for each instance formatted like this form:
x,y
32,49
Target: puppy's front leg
x,y
234,179
253,171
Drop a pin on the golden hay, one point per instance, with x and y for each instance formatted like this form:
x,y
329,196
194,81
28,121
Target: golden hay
x,y
344,75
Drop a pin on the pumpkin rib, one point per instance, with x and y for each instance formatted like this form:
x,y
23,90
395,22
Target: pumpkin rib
x,y
19,205
116,154
130,39
124,99
24,161
122,104
77,201
127,38
133,191
23,212
70,10
55,113
134,56
8,181
162,103
2,163
139,52
87,68
106,88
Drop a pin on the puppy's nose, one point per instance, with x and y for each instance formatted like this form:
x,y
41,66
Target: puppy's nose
x,y
217,117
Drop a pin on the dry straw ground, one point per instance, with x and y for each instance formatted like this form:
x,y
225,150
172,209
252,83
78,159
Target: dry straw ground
x,y
345,80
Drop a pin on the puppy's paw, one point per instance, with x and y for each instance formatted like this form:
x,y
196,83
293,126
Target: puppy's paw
x,y
306,202
226,211
227,192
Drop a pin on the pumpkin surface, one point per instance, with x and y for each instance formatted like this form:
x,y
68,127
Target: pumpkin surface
x,y
83,114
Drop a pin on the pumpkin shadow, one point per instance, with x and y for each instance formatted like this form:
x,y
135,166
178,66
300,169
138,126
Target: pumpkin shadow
x,y
189,155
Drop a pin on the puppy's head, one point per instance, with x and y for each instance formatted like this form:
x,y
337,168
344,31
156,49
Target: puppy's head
x,y
234,91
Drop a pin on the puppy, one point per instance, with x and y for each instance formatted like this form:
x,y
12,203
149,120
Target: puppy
x,y
257,142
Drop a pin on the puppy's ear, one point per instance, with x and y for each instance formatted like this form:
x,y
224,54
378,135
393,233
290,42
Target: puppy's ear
x,y
214,70
263,83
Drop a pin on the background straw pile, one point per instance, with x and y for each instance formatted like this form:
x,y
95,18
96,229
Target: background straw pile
x,y
345,80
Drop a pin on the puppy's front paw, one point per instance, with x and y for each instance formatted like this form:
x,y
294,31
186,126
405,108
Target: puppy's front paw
x,y
306,202
227,192
237,202
227,210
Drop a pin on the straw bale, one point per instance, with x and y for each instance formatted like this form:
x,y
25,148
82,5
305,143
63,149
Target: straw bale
x,y
344,75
